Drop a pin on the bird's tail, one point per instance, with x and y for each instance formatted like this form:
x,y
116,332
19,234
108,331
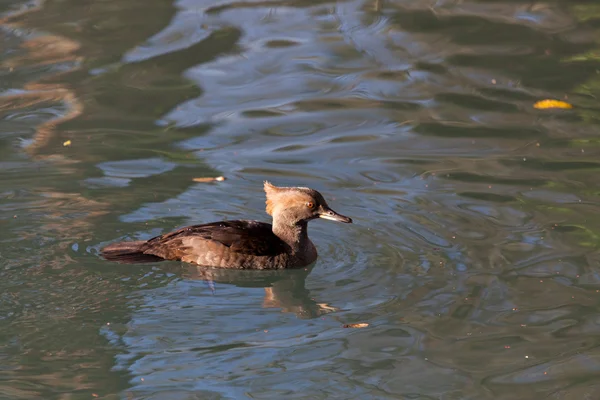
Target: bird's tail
x,y
128,253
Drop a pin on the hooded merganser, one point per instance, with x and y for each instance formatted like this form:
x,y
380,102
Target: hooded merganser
x,y
240,244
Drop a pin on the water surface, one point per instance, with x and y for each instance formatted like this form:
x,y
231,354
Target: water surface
x,y
473,256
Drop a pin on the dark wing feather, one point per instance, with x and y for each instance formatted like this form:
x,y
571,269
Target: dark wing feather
x,y
247,237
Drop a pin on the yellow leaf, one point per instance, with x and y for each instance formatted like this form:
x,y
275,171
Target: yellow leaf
x,y
67,143
548,103
205,180
359,325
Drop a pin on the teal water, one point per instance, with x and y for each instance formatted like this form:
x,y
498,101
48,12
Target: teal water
x,y
474,253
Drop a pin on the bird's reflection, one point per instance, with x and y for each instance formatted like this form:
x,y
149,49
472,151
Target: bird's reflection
x,y
284,289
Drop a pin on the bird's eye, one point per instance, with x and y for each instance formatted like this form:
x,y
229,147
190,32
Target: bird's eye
x,y
310,205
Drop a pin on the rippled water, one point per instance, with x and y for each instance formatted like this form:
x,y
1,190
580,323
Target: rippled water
x,y
474,254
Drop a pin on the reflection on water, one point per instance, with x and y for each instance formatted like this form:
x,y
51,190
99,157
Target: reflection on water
x,y
285,290
474,254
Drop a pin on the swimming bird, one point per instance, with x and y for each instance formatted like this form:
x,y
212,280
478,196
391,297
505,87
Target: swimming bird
x,y
240,244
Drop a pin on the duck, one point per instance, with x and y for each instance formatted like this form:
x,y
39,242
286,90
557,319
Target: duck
x,y
240,244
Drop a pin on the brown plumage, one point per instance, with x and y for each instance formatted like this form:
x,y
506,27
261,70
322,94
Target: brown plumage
x,y
240,244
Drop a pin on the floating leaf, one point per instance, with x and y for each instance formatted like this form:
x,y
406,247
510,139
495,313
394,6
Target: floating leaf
x,y
359,325
67,143
593,55
548,103
207,180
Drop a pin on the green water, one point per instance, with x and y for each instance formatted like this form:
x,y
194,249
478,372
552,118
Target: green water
x,y
474,253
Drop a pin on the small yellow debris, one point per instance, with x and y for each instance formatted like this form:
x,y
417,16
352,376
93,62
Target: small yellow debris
x,y
548,103
359,325
205,180
67,143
